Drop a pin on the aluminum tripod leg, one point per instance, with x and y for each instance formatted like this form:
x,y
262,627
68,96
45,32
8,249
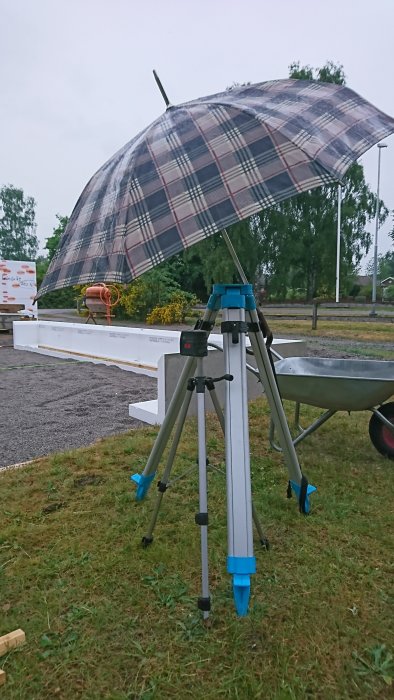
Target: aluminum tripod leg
x,y
297,480
162,486
202,517
163,483
204,603
215,401
144,480
240,561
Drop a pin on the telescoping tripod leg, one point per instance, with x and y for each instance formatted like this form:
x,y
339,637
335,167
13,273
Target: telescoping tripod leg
x,y
215,402
145,479
297,481
162,485
241,562
204,602
198,383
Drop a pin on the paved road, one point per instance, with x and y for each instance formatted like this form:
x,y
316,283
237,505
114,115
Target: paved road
x,y
50,405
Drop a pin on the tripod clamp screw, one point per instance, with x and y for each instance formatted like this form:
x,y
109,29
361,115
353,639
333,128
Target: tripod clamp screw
x,y
210,381
199,383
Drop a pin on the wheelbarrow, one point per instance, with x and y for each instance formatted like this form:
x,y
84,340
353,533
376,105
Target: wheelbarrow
x,y
340,385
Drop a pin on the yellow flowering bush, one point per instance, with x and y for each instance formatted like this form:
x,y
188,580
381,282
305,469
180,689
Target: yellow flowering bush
x,y
176,310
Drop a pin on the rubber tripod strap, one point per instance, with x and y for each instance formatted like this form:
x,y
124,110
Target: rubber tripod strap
x,y
269,337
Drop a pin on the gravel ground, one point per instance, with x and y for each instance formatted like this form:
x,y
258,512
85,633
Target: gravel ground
x,y
51,405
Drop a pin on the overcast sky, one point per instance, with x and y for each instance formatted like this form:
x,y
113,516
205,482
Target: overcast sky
x,y
76,76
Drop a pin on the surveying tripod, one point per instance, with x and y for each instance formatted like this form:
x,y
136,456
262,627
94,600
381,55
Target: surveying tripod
x,y
239,316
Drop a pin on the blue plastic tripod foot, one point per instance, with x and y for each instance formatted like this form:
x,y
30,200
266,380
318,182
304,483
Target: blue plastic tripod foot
x,y
143,483
306,492
241,589
241,568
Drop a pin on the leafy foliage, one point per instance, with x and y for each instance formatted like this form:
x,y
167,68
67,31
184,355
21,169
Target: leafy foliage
x,y
329,73
53,241
385,265
379,662
299,236
389,293
215,259
60,298
18,240
179,306
154,288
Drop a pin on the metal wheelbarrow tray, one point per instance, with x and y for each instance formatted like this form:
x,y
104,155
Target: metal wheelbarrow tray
x,y
340,385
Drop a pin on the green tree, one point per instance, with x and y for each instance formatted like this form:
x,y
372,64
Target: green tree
x,y
385,265
214,261
18,240
61,298
53,241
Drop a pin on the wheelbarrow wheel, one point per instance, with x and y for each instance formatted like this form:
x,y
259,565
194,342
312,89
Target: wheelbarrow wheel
x,y
382,437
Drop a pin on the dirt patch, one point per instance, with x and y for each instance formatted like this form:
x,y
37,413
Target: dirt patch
x,y
88,480
53,507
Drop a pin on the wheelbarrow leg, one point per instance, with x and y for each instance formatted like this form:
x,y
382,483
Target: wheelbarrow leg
x,y
297,417
305,432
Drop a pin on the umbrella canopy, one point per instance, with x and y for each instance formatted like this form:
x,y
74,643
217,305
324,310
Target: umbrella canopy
x,y
205,165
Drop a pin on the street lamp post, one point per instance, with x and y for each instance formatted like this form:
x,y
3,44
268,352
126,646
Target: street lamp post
x,y
338,244
375,256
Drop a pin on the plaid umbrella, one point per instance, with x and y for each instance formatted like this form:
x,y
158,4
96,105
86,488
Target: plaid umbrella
x,y
205,165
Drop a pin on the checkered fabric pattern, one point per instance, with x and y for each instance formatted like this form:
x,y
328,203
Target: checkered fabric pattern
x,y
205,165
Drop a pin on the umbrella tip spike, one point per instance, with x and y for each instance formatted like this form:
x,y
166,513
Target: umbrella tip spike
x,y
160,86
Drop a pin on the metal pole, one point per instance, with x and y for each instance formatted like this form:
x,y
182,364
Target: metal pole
x,y
338,243
375,254
204,603
241,562
234,256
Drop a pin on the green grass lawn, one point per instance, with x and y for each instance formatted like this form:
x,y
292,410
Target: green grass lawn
x,y
105,618
353,330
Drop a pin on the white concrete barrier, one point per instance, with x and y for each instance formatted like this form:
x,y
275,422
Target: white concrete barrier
x,y
134,349
151,352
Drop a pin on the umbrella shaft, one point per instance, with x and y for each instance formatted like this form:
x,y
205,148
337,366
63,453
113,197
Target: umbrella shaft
x,y
234,256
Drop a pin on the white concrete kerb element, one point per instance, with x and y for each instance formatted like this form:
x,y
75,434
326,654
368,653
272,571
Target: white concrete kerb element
x,y
133,349
154,353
